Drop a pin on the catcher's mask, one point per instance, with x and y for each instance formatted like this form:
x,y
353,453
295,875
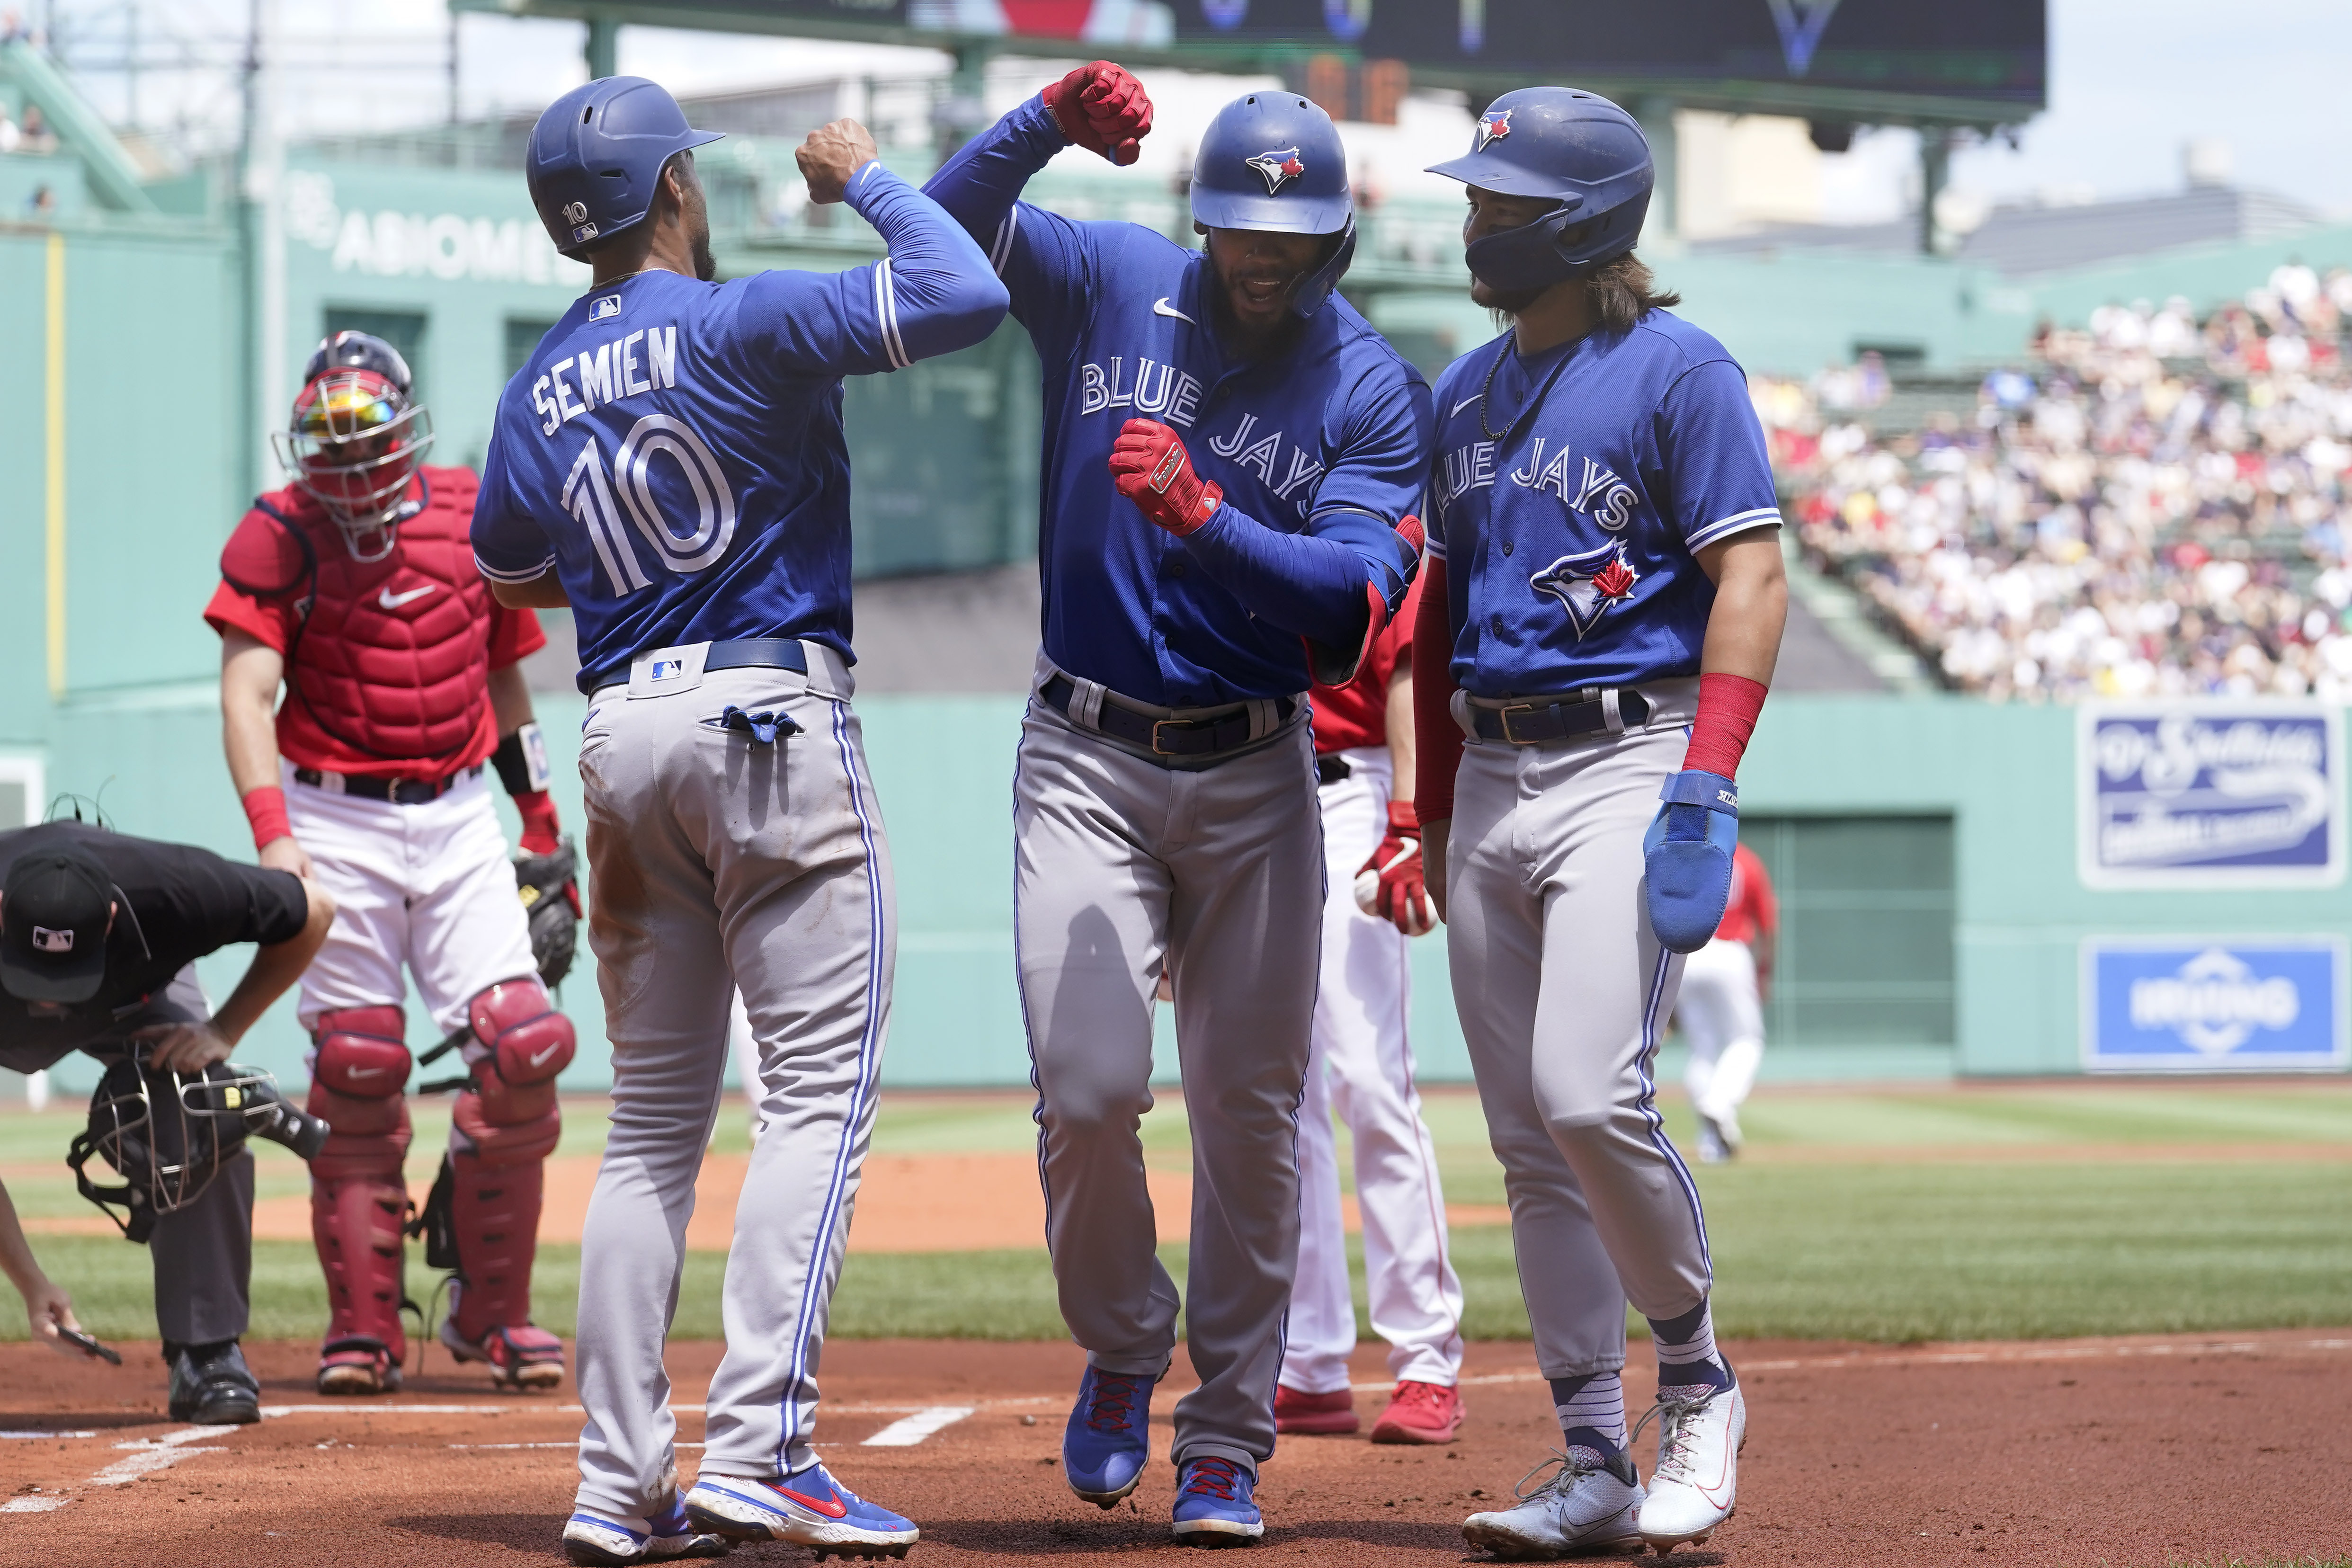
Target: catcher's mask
x,y
357,438
168,1135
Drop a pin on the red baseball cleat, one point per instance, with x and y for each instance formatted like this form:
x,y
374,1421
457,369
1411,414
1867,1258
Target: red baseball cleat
x,y
523,1357
1329,1414
1420,1412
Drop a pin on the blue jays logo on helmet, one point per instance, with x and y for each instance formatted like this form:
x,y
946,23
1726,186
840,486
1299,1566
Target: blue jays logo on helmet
x,y
1587,582
1279,168
1493,123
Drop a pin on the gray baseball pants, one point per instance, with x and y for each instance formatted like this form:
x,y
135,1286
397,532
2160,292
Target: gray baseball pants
x,y
1564,995
1121,865
717,862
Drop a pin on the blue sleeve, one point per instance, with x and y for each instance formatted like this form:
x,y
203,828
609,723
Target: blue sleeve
x,y
934,294
1711,447
509,545
1313,583
1047,261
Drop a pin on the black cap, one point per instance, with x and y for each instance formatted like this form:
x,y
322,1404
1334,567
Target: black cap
x,y
54,912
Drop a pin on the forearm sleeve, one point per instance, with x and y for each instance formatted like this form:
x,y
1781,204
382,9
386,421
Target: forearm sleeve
x,y
981,184
938,293
1311,584
1436,738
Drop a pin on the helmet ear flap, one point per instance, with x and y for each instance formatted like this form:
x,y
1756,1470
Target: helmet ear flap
x,y
1315,291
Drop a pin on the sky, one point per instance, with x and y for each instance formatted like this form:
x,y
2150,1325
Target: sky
x,y
2131,81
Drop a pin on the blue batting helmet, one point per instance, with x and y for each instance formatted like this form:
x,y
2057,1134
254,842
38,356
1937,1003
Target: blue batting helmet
x,y
596,156
1565,145
1272,161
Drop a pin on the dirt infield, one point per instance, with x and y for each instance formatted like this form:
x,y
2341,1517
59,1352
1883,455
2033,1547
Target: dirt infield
x,y
2147,1451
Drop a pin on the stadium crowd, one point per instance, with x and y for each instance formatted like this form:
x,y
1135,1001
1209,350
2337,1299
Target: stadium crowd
x,y
2154,506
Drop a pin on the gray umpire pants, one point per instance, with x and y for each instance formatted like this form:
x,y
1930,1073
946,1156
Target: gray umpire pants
x,y
1564,993
718,862
1122,864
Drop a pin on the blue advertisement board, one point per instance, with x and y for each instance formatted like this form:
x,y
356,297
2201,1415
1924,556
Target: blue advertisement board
x,y
2213,1003
2210,795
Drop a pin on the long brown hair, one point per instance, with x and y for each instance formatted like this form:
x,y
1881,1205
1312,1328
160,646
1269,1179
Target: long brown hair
x,y
1622,291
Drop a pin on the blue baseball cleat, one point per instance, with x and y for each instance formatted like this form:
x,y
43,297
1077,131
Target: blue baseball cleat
x,y
807,1508
610,1541
1213,1505
1108,1439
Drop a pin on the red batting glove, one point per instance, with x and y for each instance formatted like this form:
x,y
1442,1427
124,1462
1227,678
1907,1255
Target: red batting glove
x,y
541,836
1102,107
1393,883
1151,468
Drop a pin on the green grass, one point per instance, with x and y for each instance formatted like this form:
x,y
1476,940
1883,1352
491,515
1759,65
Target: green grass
x,y
1893,1251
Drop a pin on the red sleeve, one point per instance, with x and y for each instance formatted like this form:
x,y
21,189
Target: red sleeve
x,y
515,636
267,621
1437,739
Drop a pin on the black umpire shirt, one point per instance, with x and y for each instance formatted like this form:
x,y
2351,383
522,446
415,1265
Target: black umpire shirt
x,y
178,903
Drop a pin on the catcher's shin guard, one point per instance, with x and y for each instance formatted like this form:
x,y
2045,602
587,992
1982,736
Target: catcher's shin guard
x,y
358,1200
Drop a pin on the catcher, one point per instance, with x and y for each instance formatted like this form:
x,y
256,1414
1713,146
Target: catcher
x,y
355,589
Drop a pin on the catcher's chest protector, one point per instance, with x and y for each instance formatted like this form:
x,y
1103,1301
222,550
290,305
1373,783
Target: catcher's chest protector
x,y
393,655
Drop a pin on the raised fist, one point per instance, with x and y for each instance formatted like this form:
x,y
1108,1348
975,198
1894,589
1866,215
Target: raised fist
x,y
1102,107
831,156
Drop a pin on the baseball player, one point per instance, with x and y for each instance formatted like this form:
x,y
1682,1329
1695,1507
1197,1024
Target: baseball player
x,y
1230,451
1721,1009
99,937
671,462
354,589
1603,612
1361,1065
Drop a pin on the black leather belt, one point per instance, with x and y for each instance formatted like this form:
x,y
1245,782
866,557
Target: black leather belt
x,y
1330,768
1165,737
1578,713
756,653
398,792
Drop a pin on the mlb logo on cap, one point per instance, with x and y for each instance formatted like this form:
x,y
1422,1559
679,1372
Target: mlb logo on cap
x,y
48,940
54,911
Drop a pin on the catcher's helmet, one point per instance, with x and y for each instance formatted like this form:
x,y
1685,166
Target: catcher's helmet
x,y
168,1135
1272,161
596,156
1567,145
357,438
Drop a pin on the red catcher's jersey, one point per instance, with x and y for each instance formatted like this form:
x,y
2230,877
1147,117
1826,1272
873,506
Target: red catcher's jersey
x,y
1357,714
1752,908
388,661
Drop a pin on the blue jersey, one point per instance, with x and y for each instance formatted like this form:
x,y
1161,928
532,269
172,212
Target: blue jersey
x,y
673,449
1324,447
1569,494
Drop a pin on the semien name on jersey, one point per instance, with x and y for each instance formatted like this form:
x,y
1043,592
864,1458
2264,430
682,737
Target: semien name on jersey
x,y
607,375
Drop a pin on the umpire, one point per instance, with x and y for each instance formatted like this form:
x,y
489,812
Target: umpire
x,y
98,935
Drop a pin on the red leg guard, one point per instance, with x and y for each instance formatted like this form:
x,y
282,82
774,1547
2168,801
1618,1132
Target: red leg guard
x,y
358,1200
495,1214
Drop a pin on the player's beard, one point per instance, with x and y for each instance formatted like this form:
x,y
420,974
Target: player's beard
x,y
706,266
1506,304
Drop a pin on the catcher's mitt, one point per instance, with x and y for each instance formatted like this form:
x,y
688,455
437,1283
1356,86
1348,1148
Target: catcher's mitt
x,y
550,888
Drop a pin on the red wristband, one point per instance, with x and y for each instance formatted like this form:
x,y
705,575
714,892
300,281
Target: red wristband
x,y
1728,707
540,834
1404,821
265,808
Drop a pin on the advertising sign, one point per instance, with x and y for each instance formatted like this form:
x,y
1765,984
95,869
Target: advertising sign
x,y
2210,795
2213,1005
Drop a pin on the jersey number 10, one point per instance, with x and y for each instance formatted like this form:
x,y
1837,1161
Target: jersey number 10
x,y
588,493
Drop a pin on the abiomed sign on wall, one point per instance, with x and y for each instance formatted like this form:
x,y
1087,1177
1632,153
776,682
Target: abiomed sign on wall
x,y
2213,1005
2210,795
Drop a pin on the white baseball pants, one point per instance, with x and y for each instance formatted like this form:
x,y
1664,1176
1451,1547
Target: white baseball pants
x,y
1361,1066
1721,1015
428,887
718,862
1564,993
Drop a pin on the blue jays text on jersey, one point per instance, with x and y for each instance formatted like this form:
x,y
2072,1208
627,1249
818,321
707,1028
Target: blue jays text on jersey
x,y
1571,494
673,451
1320,449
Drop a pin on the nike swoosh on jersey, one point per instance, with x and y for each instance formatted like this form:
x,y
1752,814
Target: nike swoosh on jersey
x,y
1467,403
1160,307
392,601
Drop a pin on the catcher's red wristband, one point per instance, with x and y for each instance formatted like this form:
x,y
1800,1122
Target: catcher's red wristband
x,y
265,808
1436,738
1405,818
540,832
1728,708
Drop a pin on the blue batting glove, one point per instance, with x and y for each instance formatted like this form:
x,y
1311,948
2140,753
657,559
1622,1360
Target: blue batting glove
x,y
1686,858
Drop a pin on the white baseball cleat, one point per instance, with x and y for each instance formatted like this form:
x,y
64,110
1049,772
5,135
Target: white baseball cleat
x,y
606,1540
1580,1507
1697,1480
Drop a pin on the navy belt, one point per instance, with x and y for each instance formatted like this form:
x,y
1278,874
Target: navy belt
x,y
1578,713
1165,737
398,792
756,653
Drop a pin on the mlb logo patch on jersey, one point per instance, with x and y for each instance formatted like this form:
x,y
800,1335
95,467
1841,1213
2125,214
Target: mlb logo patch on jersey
x,y
1493,126
604,306
1588,582
1279,168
